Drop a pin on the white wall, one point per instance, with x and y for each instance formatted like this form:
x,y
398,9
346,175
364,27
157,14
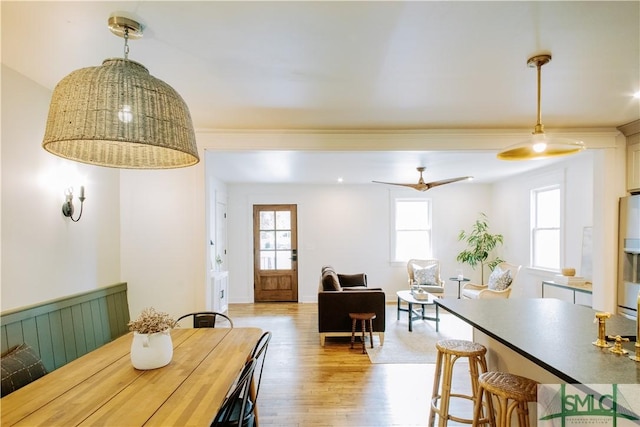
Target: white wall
x,y
584,207
45,255
164,240
347,226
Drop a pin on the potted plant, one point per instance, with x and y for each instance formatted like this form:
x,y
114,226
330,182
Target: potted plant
x,y
151,346
480,243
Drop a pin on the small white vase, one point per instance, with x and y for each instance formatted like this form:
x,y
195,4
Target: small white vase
x,y
151,351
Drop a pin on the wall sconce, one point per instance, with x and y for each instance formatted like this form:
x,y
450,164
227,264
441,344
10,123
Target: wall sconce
x,y
67,207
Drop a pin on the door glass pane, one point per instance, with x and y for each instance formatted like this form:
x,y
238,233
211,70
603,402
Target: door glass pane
x,y
283,260
283,240
267,221
275,240
283,220
267,260
267,240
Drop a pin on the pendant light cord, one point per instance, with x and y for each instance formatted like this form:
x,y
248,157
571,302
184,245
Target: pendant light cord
x,y
126,45
539,126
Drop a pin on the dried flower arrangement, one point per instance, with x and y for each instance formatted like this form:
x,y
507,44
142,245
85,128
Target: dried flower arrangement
x,y
151,321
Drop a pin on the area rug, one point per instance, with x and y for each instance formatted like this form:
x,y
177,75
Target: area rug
x,y
419,346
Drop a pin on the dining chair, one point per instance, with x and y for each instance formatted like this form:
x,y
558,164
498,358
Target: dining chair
x,y
207,319
260,354
237,405
250,411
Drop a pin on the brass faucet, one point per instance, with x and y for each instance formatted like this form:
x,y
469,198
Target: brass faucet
x,y
617,348
601,318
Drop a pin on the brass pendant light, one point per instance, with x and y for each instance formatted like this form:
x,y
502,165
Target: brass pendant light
x,y
540,145
118,115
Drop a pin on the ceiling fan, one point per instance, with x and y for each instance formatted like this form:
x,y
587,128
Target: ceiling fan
x,y
424,186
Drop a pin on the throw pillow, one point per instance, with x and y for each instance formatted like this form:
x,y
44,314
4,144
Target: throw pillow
x,y
351,280
20,366
330,281
425,275
494,276
499,280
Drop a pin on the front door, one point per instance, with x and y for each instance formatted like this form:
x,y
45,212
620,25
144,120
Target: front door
x,y
275,253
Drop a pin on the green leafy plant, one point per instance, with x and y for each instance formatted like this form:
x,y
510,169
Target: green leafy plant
x,y
480,243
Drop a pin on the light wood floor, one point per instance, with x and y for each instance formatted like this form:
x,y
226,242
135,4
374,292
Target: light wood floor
x,y
305,384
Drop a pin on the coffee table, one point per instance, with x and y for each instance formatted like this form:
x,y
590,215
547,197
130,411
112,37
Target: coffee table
x,y
417,313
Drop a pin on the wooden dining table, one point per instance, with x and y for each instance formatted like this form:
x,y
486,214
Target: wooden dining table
x,y
103,388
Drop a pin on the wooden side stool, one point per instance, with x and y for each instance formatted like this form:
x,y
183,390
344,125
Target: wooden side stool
x,y
363,317
511,392
449,351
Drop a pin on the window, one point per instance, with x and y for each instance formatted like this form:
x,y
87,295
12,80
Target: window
x,y
412,229
546,217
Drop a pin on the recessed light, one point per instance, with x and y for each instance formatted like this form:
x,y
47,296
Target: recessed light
x,y
340,180
637,95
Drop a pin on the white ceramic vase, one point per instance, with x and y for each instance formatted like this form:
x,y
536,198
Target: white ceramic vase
x,y
151,351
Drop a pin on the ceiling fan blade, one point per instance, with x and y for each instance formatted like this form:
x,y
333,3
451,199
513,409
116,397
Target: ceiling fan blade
x,y
447,181
421,185
416,186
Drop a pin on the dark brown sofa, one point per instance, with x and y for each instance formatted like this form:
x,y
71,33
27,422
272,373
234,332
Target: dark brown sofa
x,y
341,294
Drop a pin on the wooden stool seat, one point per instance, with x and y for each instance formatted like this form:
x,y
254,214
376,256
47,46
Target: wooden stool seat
x,y
449,351
363,317
461,348
511,391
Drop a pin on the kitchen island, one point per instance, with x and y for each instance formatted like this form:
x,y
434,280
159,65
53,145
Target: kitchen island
x,y
547,340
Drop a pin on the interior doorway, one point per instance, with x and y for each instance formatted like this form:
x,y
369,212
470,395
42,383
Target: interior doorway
x,y
275,253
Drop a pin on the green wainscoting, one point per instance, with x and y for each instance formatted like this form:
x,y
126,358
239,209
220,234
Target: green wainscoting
x,y
67,328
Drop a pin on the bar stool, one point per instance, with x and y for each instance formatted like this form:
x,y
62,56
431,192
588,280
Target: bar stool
x,y
449,351
511,392
362,317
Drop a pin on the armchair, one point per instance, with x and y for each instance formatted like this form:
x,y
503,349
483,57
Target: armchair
x,y
499,284
425,274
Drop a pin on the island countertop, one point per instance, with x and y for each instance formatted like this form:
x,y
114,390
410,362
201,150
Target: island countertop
x,y
554,334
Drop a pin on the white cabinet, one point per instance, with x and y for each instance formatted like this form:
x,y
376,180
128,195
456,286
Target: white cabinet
x,y
633,167
581,294
218,292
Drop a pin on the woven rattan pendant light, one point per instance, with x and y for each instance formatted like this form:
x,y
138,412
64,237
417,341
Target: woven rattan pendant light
x,y
540,145
118,115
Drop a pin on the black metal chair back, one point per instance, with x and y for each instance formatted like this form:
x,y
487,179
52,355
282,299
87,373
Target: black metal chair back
x,y
260,354
207,319
237,405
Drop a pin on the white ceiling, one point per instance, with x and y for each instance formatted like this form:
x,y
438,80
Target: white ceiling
x,y
346,66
